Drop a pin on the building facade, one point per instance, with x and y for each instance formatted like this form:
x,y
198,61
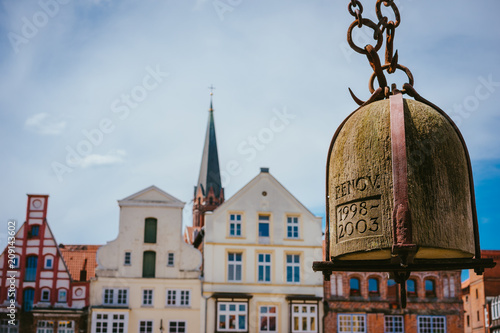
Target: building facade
x,y
147,279
46,298
259,246
370,302
480,293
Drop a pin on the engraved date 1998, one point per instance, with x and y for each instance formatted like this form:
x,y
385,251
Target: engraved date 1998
x,y
360,218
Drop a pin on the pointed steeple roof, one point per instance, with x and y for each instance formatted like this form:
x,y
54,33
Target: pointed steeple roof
x,y
210,171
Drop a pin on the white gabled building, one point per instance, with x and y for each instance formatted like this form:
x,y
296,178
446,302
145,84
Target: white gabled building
x,y
148,278
259,247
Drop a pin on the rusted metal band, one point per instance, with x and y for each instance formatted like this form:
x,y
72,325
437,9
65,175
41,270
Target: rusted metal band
x,y
401,216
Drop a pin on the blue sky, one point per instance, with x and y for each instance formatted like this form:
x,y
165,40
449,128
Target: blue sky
x,y
69,68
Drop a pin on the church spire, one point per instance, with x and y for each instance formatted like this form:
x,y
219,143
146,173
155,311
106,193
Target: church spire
x,y
208,193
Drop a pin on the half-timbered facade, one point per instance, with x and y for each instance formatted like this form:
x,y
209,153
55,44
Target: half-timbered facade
x,y
45,295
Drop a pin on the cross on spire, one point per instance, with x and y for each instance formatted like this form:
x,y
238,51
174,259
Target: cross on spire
x,y
212,88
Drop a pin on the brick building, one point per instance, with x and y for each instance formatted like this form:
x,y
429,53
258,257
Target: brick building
x,y
479,293
370,302
47,296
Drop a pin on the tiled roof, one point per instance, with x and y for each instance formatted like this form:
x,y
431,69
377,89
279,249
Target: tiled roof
x,y
79,257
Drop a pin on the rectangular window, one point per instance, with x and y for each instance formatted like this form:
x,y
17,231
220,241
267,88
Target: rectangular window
x,y
48,262
263,225
394,324
264,267
45,326
431,324
177,297
147,297
109,323
235,225
268,319
292,227
62,296
115,296
145,326
232,317
66,326
351,323
304,318
336,287
5,327
45,295
234,266
170,259
35,230
177,327
128,259
292,268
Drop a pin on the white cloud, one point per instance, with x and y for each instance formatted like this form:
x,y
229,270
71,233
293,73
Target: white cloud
x,y
103,160
45,124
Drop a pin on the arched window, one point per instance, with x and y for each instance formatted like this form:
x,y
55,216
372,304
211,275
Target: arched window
x,y
430,288
31,265
336,285
148,264
373,289
446,288
150,230
411,288
354,287
391,288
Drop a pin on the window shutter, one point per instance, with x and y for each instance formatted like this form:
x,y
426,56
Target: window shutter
x,y
150,230
148,264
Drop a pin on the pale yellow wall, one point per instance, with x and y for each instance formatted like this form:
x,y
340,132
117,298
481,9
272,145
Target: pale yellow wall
x,y
159,310
184,275
249,202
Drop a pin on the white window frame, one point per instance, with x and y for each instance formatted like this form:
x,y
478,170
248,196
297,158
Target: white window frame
x,y
432,322
8,328
264,219
178,298
45,326
16,259
116,296
336,287
171,259
177,328
266,267
111,318
59,299
349,319
227,313
146,326
308,314
394,320
235,221
66,326
267,316
45,299
232,266
147,297
292,227
127,259
45,264
293,265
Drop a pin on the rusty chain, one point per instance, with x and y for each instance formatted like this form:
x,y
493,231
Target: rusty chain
x,y
355,8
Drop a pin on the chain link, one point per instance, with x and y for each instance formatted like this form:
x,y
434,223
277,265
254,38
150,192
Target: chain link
x,y
355,8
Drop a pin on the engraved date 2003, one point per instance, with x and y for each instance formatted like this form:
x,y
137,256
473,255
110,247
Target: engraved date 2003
x,y
359,218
